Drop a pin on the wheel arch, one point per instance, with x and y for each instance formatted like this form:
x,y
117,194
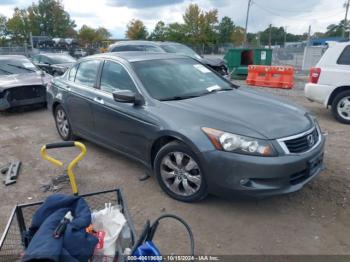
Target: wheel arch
x,y
167,137
335,92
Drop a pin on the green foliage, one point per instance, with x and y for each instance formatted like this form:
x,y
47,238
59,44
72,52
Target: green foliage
x,y
199,26
136,30
3,29
225,30
48,17
89,36
159,32
337,30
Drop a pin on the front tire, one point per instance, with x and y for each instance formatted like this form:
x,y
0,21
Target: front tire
x,y
179,173
341,107
62,124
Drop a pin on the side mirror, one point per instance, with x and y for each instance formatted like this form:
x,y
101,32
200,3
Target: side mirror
x,y
127,96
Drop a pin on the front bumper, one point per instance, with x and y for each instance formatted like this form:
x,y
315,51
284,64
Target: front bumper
x,y
12,100
229,173
318,93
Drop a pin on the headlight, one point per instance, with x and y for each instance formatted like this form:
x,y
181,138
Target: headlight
x,y
239,144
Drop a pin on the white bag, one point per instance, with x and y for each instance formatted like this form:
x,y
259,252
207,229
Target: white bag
x,y
111,221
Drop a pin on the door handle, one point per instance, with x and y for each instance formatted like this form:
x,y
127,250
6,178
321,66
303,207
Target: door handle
x,y
99,100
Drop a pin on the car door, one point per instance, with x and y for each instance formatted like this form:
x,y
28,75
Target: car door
x,y
80,96
124,126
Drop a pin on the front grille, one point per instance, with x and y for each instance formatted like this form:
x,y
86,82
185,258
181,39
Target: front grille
x,y
26,92
303,143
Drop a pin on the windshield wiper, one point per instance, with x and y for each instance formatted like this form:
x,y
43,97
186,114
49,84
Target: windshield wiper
x,y
21,67
178,98
215,91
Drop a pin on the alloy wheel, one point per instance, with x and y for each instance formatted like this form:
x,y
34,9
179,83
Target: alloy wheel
x,y
343,107
181,173
62,122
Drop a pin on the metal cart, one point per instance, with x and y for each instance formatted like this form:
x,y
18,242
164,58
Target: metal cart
x,y
12,244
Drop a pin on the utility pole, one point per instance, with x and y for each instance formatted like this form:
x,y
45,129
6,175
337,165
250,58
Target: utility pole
x,y
246,22
346,17
285,36
309,35
270,36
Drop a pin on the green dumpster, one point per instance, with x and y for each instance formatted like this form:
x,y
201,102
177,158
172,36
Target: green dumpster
x,y
238,60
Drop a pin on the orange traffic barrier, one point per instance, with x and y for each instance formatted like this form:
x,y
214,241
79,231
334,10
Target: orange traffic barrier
x,y
271,76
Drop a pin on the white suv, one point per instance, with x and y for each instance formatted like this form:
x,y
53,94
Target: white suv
x,y
329,81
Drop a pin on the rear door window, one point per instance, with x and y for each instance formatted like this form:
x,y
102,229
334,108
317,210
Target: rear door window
x,y
344,58
87,72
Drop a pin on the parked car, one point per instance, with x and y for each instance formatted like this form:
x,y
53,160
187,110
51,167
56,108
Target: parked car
x,y
329,81
217,64
53,63
21,82
194,129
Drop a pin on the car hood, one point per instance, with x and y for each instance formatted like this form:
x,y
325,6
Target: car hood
x,y
9,81
213,61
241,112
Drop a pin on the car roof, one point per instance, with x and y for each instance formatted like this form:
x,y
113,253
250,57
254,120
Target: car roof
x,y
53,54
135,56
5,57
143,42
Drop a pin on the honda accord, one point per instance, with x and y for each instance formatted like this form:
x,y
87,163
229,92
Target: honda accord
x,y
196,131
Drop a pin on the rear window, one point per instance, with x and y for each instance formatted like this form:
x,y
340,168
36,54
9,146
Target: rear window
x,y
344,58
87,72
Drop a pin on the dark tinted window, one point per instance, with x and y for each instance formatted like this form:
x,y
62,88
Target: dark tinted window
x,y
124,48
72,73
150,48
87,72
344,58
36,59
115,77
45,60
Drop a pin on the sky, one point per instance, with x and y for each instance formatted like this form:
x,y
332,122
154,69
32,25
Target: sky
x,y
295,15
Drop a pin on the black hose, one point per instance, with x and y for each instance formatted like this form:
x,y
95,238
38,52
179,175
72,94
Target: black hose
x,y
188,228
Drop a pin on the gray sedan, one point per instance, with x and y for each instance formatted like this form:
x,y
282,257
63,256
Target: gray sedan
x,y
197,132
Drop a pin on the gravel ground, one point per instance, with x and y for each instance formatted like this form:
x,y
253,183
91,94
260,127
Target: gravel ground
x,y
314,220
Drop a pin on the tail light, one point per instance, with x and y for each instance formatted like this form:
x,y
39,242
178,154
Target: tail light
x,y
315,73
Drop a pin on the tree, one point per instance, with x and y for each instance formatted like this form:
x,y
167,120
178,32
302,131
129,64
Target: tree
x,y
136,30
337,29
89,36
225,30
159,32
102,34
175,32
3,29
48,17
199,26
18,25
237,36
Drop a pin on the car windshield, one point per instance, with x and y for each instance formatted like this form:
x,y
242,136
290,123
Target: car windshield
x,y
178,78
180,49
10,66
61,59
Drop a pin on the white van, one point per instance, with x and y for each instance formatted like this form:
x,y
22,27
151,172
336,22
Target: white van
x,y
329,81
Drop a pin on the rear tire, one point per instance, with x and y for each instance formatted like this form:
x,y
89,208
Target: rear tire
x,y
179,173
341,107
63,125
